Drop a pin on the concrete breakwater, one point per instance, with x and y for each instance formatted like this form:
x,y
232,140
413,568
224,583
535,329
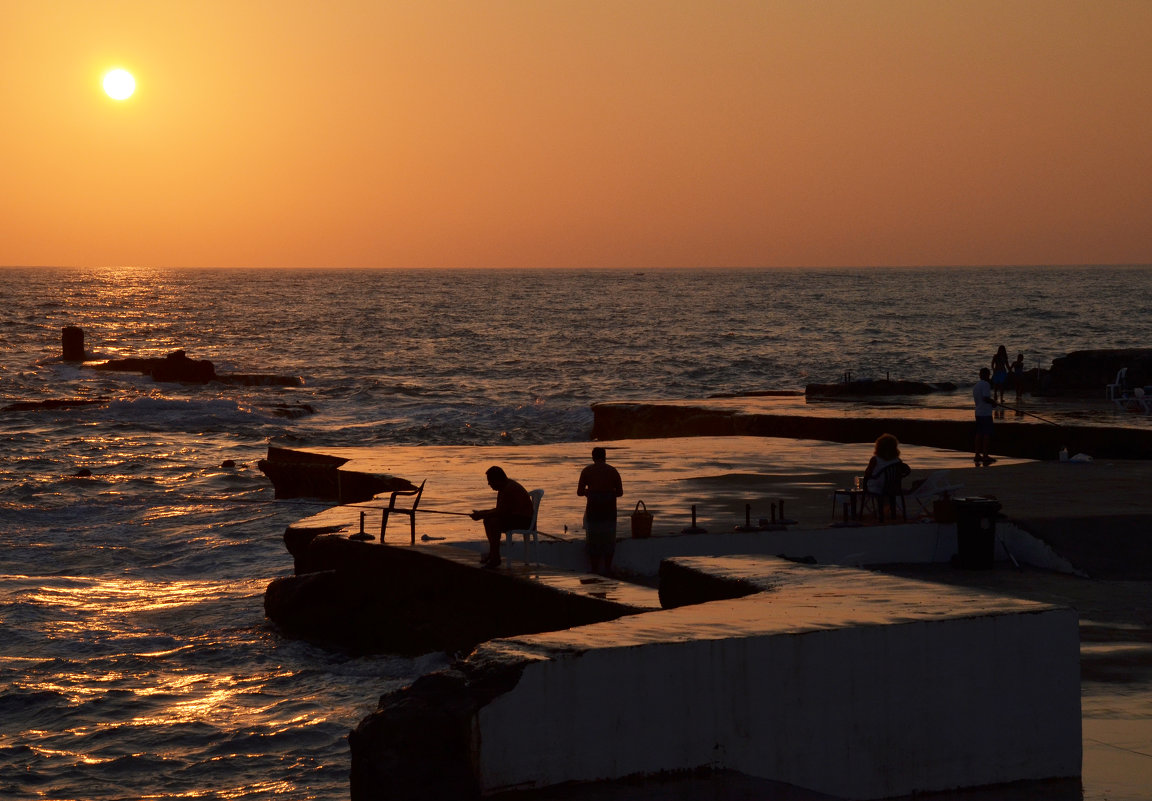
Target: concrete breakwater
x,y
629,420
883,688
825,677
1080,373
369,597
310,474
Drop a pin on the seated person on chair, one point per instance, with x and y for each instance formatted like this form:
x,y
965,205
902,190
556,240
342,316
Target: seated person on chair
x,y
513,510
877,474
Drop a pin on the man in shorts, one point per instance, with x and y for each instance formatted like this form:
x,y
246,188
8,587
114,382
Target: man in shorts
x,y
600,484
985,407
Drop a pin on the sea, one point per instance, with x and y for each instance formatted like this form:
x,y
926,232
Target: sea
x,y
137,534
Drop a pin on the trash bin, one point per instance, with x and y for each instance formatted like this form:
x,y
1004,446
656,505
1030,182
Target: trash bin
x,y
975,531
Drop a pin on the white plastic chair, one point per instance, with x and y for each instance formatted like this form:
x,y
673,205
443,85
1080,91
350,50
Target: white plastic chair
x,y
936,484
529,533
1118,389
891,478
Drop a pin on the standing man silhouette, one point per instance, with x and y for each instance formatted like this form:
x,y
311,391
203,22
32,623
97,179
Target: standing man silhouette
x,y
600,484
985,406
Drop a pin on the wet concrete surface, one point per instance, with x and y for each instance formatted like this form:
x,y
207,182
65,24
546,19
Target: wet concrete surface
x,y
1100,513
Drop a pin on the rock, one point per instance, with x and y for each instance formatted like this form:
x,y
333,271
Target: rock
x,y
259,380
175,367
54,403
418,744
1088,372
72,343
292,411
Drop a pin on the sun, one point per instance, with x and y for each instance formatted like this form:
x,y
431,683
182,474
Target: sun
x,y
119,84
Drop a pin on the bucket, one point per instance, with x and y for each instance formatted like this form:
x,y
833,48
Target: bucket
x,y
641,521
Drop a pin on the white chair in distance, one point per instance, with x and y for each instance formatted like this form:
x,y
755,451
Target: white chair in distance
x,y
530,533
1117,390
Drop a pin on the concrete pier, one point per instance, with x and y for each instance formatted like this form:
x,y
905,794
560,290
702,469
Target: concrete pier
x,y
826,678
839,680
949,428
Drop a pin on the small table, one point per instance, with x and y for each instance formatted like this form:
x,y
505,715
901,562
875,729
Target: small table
x,y
853,507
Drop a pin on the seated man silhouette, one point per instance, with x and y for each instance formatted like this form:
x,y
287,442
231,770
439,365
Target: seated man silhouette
x,y
513,510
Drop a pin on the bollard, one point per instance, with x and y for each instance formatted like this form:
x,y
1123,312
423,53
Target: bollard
x,y
72,343
362,535
747,520
693,529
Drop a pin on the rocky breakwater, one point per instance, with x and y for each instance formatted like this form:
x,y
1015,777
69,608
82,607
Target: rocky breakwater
x,y
177,367
1085,373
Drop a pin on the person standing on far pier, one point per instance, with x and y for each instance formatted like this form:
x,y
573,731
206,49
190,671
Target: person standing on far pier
x,y
985,406
1018,377
600,483
999,373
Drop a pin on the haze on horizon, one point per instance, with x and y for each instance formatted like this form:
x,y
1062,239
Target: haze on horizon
x,y
577,133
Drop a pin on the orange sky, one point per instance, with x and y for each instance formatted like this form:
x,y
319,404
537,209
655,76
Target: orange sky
x,y
577,133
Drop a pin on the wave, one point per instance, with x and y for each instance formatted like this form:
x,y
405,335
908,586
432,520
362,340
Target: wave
x,y
184,415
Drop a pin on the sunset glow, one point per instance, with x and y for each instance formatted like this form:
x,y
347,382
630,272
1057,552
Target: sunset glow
x,y
579,134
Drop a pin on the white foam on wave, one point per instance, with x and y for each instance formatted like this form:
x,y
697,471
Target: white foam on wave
x,y
181,413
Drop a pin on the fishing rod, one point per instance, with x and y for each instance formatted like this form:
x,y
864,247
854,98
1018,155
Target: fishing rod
x,y
1018,410
325,503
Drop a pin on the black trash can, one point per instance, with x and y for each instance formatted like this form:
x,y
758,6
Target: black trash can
x,y
976,532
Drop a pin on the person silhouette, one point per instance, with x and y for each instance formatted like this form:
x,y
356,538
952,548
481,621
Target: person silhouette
x,y
884,473
1018,377
513,510
999,373
985,406
600,483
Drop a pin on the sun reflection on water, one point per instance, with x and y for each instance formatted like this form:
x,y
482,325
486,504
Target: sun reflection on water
x,y
146,698
117,596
